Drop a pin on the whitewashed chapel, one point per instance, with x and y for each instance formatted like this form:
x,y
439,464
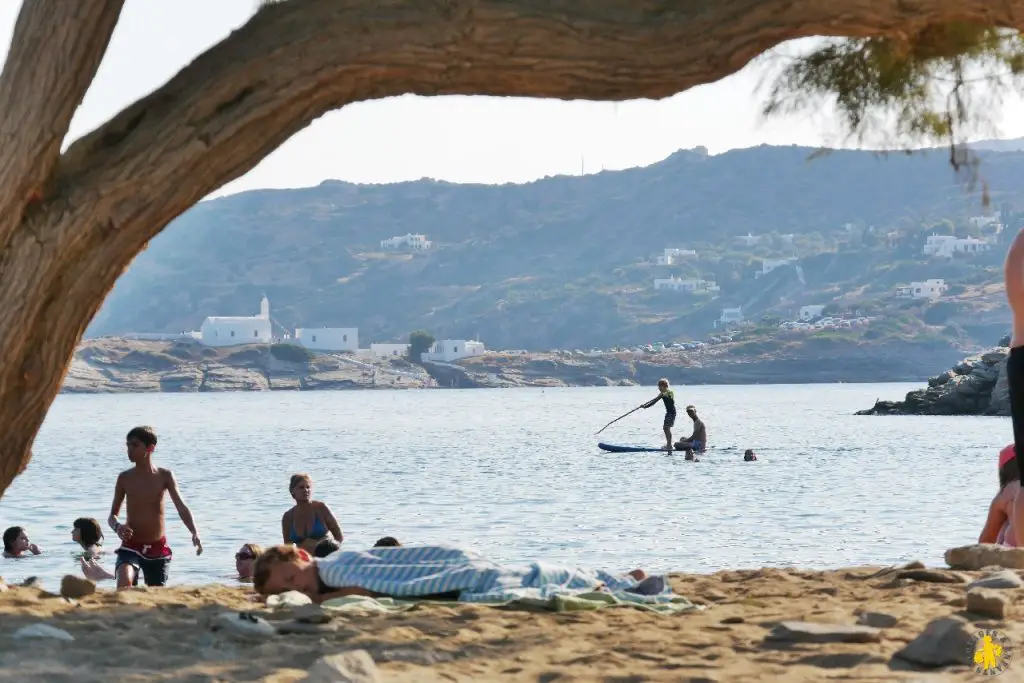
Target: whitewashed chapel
x,y
229,330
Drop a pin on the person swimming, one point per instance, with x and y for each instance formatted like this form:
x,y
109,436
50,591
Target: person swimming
x,y
999,526
87,532
245,559
308,522
749,455
17,543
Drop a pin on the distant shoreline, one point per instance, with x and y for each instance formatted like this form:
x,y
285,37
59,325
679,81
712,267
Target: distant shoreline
x,y
114,365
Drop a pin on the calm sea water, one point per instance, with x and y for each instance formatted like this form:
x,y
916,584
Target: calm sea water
x,y
516,474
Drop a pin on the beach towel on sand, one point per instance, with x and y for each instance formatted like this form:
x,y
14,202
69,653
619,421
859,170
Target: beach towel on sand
x,y
408,573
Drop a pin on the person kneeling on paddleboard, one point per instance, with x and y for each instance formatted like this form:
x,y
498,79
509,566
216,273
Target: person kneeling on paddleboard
x,y
698,441
665,394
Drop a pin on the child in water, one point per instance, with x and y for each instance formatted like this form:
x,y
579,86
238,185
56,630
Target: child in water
x,y
16,543
665,394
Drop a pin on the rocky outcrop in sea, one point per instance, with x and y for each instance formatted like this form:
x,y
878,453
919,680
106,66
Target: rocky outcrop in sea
x,y
975,386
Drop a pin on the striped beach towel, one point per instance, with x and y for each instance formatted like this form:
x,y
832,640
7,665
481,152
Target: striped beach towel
x,y
411,572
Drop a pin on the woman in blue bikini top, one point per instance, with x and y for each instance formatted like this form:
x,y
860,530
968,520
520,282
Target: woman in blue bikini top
x,y
308,523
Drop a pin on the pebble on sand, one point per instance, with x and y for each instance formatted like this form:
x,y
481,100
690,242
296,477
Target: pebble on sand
x,y
944,641
808,632
76,587
988,602
42,631
984,555
243,625
1004,578
355,666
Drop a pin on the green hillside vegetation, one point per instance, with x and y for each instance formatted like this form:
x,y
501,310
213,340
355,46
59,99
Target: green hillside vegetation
x,y
569,262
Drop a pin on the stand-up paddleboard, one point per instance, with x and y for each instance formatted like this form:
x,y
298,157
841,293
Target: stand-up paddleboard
x,y
629,449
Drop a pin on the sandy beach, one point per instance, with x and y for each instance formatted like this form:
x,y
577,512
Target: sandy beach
x,y
169,635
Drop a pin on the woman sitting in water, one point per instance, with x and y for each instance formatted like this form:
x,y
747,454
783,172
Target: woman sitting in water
x,y
86,532
999,525
429,573
309,521
16,543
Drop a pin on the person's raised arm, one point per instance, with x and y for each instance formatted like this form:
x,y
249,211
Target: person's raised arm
x,y
994,523
183,511
331,522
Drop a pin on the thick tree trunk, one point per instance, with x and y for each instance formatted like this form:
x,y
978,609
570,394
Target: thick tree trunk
x,y
71,223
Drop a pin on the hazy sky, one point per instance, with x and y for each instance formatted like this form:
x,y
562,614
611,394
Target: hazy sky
x,y
461,139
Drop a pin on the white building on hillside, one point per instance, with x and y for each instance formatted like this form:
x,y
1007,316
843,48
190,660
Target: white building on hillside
x,y
748,240
948,245
674,284
389,350
328,338
448,350
671,257
730,316
929,289
810,312
230,330
768,265
407,241
995,218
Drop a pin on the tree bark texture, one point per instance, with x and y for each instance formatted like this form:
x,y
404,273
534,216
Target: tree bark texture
x,y
70,224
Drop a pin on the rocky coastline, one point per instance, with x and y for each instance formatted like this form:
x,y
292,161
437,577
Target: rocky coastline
x,y
113,365
976,385
861,623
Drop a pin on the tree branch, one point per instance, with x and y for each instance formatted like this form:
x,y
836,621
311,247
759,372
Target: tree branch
x,y
55,51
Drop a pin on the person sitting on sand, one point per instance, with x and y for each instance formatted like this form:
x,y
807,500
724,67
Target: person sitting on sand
x,y
999,524
86,532
308,522
749,455
284,568
698,441
245,558
387,542
16,543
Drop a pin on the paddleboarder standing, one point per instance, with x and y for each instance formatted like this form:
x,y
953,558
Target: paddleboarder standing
x,y
665,394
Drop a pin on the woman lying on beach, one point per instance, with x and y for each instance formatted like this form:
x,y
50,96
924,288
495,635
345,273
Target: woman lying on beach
x,y
427,573
999,524
86,532
16,543
308,522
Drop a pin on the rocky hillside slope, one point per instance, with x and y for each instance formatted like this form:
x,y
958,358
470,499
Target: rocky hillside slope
x,y
564,262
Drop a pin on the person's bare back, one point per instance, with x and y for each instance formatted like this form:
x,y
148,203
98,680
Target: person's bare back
x,y
144,546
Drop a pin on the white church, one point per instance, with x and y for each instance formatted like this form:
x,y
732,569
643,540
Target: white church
x,y
230,330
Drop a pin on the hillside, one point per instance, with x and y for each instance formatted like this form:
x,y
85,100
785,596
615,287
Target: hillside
x,y
569,262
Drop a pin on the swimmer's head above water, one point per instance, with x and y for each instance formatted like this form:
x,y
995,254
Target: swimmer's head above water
x,y
749,455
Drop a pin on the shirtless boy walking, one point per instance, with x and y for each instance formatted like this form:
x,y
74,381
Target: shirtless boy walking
x,y
144,546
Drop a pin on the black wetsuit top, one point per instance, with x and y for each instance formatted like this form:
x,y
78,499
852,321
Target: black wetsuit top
x,y
670,401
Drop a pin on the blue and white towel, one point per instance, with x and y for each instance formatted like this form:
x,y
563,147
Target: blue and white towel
x,y
411,572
